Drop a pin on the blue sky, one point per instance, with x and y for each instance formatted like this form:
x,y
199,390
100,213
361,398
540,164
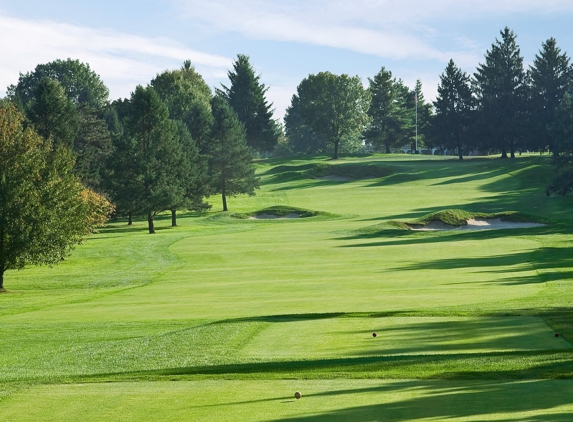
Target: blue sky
x,y
128,42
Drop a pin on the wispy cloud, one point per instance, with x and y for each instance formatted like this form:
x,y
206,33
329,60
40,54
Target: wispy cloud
x,y
385,28
122,60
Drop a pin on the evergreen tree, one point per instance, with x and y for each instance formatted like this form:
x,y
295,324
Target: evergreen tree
x,y
92,147
53,115
191,174
246,95
421,119
454,105
561,130
156,152
231,172
390,118
550,77
199,120
500,89
121,170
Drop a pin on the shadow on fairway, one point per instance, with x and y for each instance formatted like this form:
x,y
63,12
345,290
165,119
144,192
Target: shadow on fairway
x,y
444,401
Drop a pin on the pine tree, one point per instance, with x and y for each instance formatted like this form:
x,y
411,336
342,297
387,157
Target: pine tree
x,y
500,89
53,115
550,77
454,105
246,95
390,118
561,130
230,168
154,147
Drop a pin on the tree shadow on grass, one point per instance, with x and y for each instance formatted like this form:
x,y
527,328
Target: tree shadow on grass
x,y
453,400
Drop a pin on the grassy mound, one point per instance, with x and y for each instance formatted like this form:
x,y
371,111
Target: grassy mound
x,y
288,173
278,211
455,217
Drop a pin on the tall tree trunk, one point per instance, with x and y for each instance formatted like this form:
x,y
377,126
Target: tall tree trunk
x,y
224,202
2,280
460,156
129,219
150,223
503,152
336,144
223,194
387,145
173,218
512,149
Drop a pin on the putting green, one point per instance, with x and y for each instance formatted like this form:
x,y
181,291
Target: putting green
x,y
322,401
401,336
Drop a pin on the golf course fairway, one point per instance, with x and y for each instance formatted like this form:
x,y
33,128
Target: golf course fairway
x,y
225,316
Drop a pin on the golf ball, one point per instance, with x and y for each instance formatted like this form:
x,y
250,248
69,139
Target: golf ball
x,y
297,395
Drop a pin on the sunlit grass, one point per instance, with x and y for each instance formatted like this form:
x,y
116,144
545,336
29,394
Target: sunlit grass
x,y
280,305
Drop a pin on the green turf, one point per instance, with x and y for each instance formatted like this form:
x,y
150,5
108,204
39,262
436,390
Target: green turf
x,y
222,305
326,400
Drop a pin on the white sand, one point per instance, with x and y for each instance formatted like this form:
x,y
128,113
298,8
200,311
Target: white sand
x,y
477,224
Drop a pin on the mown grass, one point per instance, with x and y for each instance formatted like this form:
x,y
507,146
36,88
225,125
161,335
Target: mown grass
x,y
243,313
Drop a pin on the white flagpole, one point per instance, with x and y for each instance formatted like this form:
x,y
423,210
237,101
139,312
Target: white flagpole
x,y
416,100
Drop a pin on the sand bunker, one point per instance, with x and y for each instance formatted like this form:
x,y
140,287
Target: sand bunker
x,y
274,217
477,224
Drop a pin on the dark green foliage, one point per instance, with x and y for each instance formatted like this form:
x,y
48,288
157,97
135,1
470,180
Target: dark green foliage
x,y
199,120
191,175
181,90
550,77
150,138
121,166
42,208
333,106
391,119
422,118
246,95
231,172
500,88
92,146
81,84
561,131
53,115
301,137
454,106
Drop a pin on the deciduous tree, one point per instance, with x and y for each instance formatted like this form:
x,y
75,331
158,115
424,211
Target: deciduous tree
x,y
335,106
44,209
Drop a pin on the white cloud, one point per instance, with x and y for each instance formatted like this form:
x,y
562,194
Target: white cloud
x,y
386,28
122,60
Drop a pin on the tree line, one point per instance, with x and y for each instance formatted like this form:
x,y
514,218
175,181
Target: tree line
x,y
502,108
70,157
